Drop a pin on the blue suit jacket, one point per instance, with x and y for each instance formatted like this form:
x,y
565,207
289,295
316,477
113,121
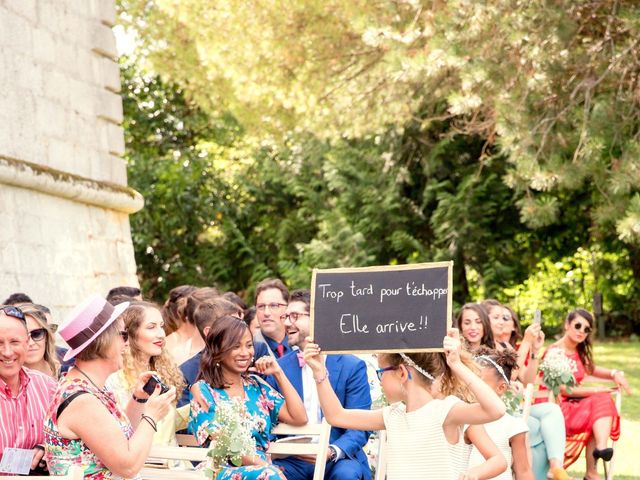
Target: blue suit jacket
x,y
348,377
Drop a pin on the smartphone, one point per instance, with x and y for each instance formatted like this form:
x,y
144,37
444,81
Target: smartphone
x,y
537,317
150,386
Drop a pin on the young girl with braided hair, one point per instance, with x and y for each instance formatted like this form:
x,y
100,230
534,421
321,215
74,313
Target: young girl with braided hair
x,y
424,431
507,432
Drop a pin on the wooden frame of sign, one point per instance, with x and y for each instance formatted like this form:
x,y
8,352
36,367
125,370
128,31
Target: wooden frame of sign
x,y
397,308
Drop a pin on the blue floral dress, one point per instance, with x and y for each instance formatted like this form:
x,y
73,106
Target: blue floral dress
x,y
262,403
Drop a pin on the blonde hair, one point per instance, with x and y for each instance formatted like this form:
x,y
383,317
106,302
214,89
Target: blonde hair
x,y
50,357
169,372
435,363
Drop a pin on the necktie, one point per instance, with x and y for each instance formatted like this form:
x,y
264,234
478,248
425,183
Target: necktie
x,y
280,349
301,362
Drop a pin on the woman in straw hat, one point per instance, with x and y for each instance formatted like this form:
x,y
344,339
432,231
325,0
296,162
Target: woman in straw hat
x,y
84,425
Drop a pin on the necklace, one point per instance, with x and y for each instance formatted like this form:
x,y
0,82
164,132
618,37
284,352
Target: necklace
x,y
102,390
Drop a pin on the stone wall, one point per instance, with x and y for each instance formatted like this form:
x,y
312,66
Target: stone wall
x,y
64,204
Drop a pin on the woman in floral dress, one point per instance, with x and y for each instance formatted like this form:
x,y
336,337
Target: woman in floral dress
x,y
223,378
84,425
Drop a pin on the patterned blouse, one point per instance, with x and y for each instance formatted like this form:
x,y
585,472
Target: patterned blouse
x,y
262,403
60,452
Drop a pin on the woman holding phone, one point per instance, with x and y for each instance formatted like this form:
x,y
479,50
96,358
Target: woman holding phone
x,y
116,441
147,352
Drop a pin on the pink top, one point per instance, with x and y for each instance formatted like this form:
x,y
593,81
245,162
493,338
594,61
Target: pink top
x,y
22,416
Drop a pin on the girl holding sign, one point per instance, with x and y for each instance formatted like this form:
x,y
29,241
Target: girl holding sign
x,y
424,432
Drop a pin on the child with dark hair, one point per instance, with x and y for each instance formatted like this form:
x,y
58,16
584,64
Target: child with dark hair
x,y
508,433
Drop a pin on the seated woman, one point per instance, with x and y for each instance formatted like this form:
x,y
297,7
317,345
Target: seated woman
x,y
223,376
147,352
84,425
41,353
546,422
474,326
591,417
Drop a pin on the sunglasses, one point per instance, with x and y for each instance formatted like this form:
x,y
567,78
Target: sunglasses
x,y
380,371
125,335
14,312
578,327
38,334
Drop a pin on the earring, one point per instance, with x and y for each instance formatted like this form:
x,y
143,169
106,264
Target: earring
x,y
217,364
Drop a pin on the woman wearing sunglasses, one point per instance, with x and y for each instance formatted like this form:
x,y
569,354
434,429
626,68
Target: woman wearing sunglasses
x,y
591,417
41,352
84,425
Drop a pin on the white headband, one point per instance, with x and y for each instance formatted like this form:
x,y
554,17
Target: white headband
x,y
421,370
498,367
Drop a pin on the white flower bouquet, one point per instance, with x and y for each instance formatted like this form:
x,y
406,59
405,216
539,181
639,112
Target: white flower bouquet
x,y
557,371
231,436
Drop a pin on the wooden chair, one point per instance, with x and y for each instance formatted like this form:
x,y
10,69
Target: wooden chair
x,y
75,473
531,394
284,447
617,399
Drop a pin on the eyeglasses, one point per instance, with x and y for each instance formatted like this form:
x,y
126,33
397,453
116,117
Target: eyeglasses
x,y
578,326
125,335
293,317
14,312
380,371
261,307
38,334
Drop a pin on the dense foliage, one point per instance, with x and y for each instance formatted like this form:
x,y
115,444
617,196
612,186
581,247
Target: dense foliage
x,y
503,135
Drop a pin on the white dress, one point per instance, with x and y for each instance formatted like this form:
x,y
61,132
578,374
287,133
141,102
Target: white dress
x,y
416,444
501,432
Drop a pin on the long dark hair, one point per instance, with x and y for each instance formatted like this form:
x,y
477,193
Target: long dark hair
x,y
225,333
516,334
585,347
487,334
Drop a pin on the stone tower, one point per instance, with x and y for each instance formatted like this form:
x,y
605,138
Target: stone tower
x,y
64,200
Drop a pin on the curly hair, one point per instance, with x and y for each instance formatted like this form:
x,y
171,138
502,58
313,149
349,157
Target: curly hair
x,y
507,359
435,363
169,372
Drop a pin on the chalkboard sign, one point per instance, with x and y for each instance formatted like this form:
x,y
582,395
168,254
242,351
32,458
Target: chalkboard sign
x,y
381,309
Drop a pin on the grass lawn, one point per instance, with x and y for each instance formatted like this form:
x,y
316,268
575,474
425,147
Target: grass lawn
x,y
623,355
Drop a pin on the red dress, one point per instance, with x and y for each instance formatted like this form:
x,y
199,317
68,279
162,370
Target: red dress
x,y
580,413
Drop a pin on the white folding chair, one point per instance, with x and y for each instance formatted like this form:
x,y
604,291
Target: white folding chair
x,y
284,447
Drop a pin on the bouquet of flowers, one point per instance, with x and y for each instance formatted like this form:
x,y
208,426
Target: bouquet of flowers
x,y
556,371
231,437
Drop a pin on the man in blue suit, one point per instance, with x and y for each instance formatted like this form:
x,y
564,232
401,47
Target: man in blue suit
x,y
348,376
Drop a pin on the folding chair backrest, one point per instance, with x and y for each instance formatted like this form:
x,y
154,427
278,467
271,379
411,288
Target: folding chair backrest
x,y
292,447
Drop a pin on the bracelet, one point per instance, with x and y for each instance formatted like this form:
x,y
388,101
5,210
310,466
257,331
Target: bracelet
x,y
614,372
139,400
326,375
150,421
532,356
